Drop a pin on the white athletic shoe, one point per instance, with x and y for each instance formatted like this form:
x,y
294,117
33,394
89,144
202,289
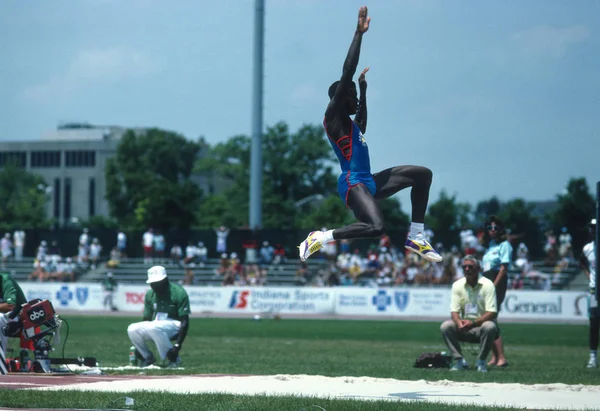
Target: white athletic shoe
x,y
592,363
460,365
481,366
420,246
311,245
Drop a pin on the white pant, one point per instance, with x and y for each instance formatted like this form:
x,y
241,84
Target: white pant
x,y
160,332
4,338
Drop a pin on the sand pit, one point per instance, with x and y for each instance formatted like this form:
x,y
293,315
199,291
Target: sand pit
x,y
537,396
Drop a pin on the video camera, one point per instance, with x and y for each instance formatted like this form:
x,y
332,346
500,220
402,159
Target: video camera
x,y
36,321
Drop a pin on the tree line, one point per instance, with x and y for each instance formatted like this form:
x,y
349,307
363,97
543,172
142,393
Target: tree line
x,y
153,181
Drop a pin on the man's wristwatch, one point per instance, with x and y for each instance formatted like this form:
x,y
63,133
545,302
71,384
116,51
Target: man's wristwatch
x,y
473,323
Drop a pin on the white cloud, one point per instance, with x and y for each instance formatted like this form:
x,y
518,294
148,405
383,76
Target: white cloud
x,y
93,67
551,41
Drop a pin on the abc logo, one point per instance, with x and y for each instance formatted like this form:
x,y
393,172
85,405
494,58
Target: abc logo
x,y
35,315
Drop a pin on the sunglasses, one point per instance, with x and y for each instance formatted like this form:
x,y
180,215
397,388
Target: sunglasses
x,y
468,266
492,228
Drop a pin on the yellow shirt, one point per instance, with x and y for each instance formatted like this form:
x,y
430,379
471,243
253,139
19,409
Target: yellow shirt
x,y
470,302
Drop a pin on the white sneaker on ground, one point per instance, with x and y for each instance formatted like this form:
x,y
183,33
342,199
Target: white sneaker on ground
x,y
481,366
311,245
459,365
592,363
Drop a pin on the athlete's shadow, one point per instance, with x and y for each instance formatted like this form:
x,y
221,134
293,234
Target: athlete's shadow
x,y
422,395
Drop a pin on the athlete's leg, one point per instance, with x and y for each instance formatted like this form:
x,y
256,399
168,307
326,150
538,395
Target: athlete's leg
x,y
392,180
370,222
389,182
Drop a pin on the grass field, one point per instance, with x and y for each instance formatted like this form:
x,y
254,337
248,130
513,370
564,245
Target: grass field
x,y
383,349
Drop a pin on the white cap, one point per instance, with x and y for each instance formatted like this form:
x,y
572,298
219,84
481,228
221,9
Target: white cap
x,y
593,222
109,274
156,274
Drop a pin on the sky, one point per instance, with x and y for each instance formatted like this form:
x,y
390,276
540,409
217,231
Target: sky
x,y
497,98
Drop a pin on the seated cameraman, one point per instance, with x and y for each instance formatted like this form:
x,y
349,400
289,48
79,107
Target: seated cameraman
x,y
166,315
11,298
473,311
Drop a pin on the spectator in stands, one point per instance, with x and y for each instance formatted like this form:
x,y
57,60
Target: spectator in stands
x,y
148,245
54,253
82,255
115,258
564,241
267,252
223,267
189,263
122,244
201,254
496,261
279,257
522,255
5,249
166,317
84,238
176,254
345,245
109,286
95,250
550,248
473,311
589,264
301,277
19,243
66,270
159,244
222,233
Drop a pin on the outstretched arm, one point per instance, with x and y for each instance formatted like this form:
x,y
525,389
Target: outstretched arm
x,y
352,57
361,113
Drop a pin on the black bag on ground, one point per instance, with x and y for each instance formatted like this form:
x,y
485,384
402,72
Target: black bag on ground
x,y
433,360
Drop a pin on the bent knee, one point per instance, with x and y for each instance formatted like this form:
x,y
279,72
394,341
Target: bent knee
x,y
489,326
447,326
135,327
377,229
426,174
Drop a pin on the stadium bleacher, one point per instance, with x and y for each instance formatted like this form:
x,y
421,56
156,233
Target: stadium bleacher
x,y
133,271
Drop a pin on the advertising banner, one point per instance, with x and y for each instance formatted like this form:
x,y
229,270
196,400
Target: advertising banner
x,y
392,302
365,301
71,296
545,305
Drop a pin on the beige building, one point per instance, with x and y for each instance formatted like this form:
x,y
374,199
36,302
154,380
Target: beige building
x,y
72,160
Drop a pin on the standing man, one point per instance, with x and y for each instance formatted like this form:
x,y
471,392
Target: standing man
x,y
109,286
166,316
357,187
588,263
6,249
473,312
19,240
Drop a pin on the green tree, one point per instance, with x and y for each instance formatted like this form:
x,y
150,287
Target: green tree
x,y
23,197
486,208
295,166
148,181
517,215
446,217
576,207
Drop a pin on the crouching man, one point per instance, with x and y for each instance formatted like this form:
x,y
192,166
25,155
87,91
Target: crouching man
x,y
166,318
473,311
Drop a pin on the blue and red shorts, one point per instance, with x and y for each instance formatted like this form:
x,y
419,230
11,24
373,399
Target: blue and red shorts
x,y
350,179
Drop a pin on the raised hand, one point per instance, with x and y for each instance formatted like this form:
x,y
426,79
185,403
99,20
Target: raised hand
x,y
363,20
362,81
